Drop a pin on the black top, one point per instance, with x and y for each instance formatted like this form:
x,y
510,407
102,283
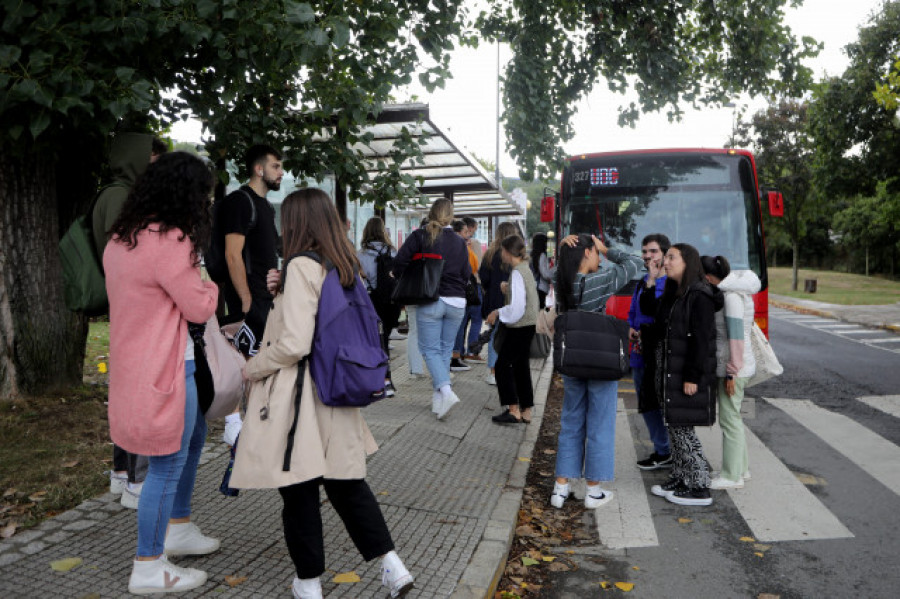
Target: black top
x,y
451,247
234,215
491,275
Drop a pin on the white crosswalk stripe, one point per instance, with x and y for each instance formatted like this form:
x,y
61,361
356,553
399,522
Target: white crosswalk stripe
x,y
877,338
889,404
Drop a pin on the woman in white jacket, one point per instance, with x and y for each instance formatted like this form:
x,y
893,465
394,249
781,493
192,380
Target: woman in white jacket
x,y
734,364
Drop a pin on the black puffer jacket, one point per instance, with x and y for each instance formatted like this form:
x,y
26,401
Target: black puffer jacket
x,y
684,340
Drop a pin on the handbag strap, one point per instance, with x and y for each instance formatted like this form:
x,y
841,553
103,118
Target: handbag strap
x,y
427,256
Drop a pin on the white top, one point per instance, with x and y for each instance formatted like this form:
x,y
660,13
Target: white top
x,y
515,309
189,350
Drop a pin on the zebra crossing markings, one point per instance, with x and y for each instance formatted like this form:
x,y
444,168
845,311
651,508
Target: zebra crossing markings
x,y
889,404
873,453
775,505
881,340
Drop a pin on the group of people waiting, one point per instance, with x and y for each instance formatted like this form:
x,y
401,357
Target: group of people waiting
x,y
690,323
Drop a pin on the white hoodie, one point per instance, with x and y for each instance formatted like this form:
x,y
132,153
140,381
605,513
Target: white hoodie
x,y
733,323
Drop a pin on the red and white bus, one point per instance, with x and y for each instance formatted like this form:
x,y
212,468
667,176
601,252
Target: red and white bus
x,y
708,198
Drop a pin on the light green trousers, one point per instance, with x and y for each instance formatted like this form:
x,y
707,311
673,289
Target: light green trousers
x,y
734,445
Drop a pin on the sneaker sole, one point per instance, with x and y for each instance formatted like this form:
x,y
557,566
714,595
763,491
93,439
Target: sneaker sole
x,y
687,501
182,552
157,590
660,492
655,466
130,501
402,590
459,369
607,497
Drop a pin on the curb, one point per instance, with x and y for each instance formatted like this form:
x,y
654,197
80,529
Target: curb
x,y
483,573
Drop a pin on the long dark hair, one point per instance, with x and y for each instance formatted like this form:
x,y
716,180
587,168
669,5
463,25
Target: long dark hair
x,y
310,223
566,268
716,266
538,248
504,230
373,232
693,269
173,193
515,245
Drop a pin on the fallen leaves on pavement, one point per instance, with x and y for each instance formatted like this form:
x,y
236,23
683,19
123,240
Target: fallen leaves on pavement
x,y
66,564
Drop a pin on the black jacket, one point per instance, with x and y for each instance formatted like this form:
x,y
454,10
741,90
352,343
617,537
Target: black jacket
x,y
451,247
683,335
491,275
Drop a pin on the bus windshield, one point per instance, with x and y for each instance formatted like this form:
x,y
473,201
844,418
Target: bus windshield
x,y
707,200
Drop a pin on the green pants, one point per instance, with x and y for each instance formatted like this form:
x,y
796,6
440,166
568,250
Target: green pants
x,y
734,444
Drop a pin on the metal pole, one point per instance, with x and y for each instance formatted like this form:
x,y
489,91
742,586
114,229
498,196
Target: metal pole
x,y
497,156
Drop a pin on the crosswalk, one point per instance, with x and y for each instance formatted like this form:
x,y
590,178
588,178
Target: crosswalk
x,y
777,504
878,338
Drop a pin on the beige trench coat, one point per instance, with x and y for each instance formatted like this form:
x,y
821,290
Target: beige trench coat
x,y
329,442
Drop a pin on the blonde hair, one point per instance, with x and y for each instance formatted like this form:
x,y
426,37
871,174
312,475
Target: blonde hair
x,y
440,215
504,230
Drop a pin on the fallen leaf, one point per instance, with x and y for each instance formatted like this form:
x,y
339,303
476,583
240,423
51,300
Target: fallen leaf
x,y
71,464
761,547
768,596
518,580
10,492
8,530
549,451
66,564
90,596
605,585
529,561
684,520
383,493
233,581
635,568
38,496
346,578
548,558
521,459
747,539
570,552
757,554
625,586
101,367
559,567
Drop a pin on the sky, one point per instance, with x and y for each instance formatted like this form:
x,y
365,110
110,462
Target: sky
x,y
466,108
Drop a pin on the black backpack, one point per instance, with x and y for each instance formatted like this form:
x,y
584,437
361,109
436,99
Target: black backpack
x,y
384,282
214,259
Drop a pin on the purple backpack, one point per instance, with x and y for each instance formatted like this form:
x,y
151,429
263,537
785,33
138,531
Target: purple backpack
x,y
346,361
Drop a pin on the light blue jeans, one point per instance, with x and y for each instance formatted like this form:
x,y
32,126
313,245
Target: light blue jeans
x,y
413,355
656,425
170,478
437,324
587,434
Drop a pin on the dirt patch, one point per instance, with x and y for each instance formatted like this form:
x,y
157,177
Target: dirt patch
x,y
545,536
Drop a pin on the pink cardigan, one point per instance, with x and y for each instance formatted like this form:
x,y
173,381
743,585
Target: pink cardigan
x,y
153,291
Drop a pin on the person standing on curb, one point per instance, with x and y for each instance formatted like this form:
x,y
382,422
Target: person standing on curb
x,y
735,364
653,248
540,267
587,434
518,317
684,345
152,264
473,312
492,273
250,253
128,159
299,444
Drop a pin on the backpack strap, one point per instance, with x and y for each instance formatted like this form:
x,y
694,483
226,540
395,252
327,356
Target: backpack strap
x,y
252,208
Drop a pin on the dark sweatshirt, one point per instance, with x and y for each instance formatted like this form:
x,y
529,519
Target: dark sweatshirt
x,y
451,247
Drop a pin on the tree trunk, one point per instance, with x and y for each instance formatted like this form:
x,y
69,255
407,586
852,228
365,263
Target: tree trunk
x,y
41,342
795,247
867,259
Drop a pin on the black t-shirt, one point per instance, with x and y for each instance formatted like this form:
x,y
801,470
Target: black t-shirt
x,y
234,216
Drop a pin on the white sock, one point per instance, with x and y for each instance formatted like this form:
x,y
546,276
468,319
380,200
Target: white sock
x,y
234,417
446,390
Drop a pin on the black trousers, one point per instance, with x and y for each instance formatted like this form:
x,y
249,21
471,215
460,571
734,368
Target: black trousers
x,y
251,334
513,370
389,313
542,299
355,504
136,465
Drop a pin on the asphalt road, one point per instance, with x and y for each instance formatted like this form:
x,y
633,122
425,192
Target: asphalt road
x,y
821,516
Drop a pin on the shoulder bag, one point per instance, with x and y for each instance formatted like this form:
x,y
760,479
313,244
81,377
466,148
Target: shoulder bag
x,y
421,280
767,364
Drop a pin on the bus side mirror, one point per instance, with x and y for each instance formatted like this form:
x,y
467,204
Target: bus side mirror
x,y
548,209
776,203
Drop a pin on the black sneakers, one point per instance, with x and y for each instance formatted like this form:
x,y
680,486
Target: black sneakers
x,y
506,418
667,488
655,462
457,365
687,496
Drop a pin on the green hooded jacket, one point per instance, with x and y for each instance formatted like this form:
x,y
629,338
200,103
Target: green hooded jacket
x,y
128,158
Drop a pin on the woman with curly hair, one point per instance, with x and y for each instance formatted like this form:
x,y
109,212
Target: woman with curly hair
x,y
154,287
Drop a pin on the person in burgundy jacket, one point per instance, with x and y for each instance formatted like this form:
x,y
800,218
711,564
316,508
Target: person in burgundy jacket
x,y
154,287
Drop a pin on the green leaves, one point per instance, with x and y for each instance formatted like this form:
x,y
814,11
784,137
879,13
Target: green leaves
x,y
298,13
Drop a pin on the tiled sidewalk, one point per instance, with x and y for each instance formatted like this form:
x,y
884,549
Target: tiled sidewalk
x,y
449,490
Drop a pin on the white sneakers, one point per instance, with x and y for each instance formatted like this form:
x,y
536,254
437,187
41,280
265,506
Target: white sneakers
x,y
131,495
233,424
117,482
448,400
594,497
723,483
437,402
186,539
395,576
160,576
490,379
307,588
560,492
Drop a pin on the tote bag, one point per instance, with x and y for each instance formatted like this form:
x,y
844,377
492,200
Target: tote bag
x,y
767,364
421,280
226,366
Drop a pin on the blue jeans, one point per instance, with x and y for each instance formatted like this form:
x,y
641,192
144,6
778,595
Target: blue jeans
x,y
492,353
437,324
471,315
656,426
413,355
587,433
170,478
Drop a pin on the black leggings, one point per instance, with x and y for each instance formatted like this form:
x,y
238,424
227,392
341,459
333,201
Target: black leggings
x,y
355,504
389,314
513,369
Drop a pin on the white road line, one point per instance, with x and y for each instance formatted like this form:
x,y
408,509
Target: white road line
x,y
889,404
863,332
871,452
626,521
832,327
775,505
885,340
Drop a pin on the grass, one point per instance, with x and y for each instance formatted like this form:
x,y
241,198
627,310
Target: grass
x,y
836,287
